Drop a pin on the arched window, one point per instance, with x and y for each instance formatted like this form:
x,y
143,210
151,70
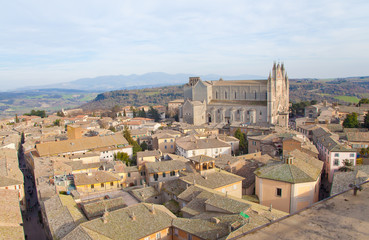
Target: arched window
x,y
225,95
235,95
245,95
255,94
216,95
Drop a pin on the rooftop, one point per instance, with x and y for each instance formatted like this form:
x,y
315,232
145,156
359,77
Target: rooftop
x,y
165,166
134,222
304,168
212,180
74,145
94,178
347,212
97,209
10,217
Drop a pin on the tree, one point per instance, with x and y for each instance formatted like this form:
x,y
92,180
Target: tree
x,y
124,113
154,113
351,121
57,122
135,146
144,146
366,121
243,143
111,128
363,101
134,112
16,118
122,156
141,113
40,113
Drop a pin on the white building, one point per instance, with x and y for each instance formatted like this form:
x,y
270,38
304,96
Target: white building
x,y
189,147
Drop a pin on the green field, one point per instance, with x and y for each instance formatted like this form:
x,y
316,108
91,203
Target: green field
x,y
349,99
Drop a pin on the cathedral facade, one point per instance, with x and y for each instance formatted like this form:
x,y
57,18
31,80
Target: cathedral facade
x,y
243,101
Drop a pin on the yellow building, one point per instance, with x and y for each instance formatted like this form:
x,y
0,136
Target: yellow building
x,y
290,185
96,182
165,141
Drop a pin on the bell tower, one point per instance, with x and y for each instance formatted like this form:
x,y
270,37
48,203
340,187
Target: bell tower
x,y
278,96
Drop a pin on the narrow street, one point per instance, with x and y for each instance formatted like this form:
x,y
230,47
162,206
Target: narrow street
x,y
33,228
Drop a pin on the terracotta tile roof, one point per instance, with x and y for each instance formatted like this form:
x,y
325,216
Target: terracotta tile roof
x,y
10,217
188,144
94,178
134,222
87,143
165,166
97,209
358,136
216,179
304,168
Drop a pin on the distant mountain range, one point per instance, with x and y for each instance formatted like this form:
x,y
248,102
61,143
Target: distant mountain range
x,y
134,81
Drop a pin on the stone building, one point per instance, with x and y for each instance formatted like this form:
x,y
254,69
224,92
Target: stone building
x,y
244,101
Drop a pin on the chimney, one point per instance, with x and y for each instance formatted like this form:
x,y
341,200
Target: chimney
x,y
105,216
133,217
152,209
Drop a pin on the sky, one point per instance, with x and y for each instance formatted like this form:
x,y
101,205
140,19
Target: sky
x,y
45,42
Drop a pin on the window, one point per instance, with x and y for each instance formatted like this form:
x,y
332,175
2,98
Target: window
x,y
336,154
176,231
279,192
92,186
189,236
171,146
129,174
352,154
102,184
165,147
336,162
111,184
235,95
163,174
158,235
261,113
171,140
225,95
156,176
234,187
165,140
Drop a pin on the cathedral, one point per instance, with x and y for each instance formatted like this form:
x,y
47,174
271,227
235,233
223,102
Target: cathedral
x,y
240,101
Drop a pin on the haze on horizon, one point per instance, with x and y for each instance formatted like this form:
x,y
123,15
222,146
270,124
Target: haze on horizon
x,y
45,42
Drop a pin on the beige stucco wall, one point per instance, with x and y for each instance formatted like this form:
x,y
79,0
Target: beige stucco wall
x,y
294,196
234,190
266,190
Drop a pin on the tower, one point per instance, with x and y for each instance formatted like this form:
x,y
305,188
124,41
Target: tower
x,y
278,96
